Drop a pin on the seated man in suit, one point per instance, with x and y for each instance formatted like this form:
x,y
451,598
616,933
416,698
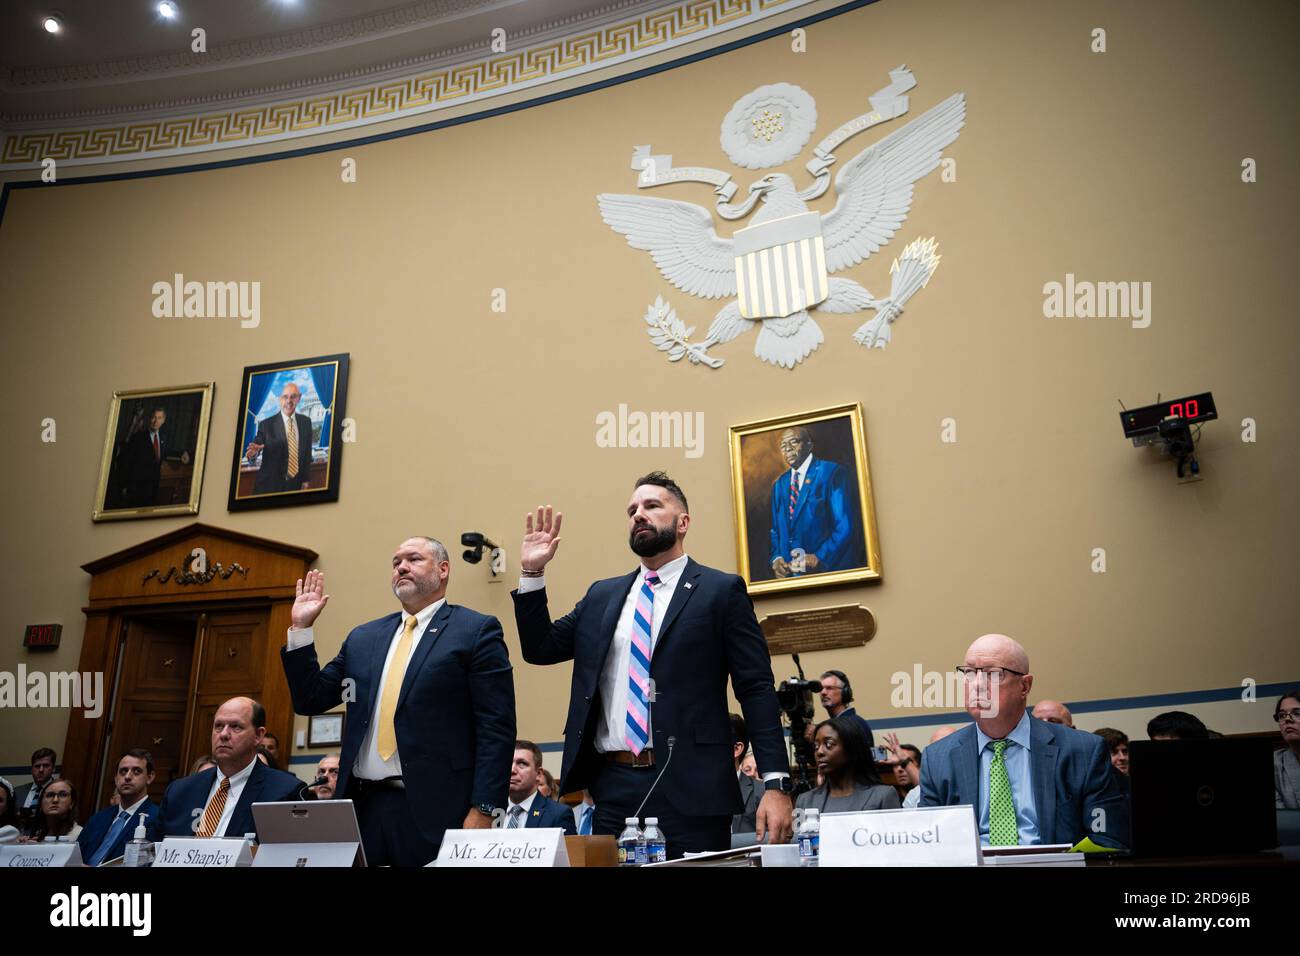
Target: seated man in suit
x,y
105,835
27,798
1029,781
526,806
218,802
751,788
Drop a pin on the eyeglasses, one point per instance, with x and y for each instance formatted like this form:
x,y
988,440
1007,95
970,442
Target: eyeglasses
x,y
972,674
1282,716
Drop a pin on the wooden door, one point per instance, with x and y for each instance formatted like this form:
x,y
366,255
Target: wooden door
x,y
152,699
230,661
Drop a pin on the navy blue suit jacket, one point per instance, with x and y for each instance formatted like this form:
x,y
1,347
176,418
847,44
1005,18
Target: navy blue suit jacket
x,y
825,521
709,632
455,716
176,815
1071,773
551,813
97,827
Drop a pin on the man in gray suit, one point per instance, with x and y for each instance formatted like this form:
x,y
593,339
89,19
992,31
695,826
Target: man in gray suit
x,y
1030,782
751,788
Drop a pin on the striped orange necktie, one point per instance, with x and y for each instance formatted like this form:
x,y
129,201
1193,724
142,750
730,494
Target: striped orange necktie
x,y
292,435
216,807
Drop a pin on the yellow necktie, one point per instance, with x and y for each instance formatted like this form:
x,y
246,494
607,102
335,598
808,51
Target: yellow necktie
x,y
216,807
292,434
387,741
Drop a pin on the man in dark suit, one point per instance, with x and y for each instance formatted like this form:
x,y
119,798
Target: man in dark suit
x,y
284,441
105,835
751,788
1030,782
430,708
141,463
218,802
27,798
812,512
647,729
527,807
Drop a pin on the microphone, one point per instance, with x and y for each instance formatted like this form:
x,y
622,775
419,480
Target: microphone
x,y
672,742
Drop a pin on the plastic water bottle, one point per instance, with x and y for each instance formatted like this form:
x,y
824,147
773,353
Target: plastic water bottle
x,y
810,837
628,842
656,844
139,851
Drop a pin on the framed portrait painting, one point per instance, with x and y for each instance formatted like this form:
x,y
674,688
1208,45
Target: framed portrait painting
x,y
152,464
802,491
288,442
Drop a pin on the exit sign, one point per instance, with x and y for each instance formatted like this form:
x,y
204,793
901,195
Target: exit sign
x,y
42,635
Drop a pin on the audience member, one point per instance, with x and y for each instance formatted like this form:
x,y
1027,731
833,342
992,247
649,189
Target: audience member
x,y
218,801
837,695
327,768
57,816
584,813
203,763
751,788
913,798
264,755
848,766
749,765
27,797
106,833
1117,742
1176,725
272,744
546,784
8,808
1054,712
1031,781
526,807
1286,762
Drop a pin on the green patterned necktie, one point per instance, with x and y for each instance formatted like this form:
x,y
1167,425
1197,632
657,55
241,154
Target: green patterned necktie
x,y
1002,808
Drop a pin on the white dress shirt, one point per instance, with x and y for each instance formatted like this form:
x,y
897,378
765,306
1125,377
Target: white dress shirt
x,y
369,765
237,782
611,726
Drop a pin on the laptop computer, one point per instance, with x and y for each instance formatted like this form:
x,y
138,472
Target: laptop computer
x,y
1198,797
331,824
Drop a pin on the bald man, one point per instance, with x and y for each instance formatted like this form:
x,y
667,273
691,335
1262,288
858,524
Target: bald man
x,y
1030,781
284,442
814,506
1054,712
218,802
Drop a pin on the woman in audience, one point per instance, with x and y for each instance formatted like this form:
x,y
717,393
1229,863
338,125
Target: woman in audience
x,y
203,763
1286,762
546,785
8,815
1117,741
58,814
846,763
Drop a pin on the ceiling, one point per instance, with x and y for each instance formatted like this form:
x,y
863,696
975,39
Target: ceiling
x,y
118,56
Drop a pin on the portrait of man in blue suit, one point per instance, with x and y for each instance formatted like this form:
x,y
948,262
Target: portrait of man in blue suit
x,y
815,527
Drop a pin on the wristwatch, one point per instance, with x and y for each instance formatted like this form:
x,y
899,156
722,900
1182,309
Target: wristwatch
x,y
783,784
485,808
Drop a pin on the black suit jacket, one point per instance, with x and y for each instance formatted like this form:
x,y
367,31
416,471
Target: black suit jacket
x,y
709,633
273,475
176,814
551,813
455,716
141,471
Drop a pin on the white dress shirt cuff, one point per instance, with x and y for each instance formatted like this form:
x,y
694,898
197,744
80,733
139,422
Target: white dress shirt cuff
x,y
300,637
777,775
531,584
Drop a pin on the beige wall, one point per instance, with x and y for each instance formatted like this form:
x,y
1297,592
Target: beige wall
x,y
1119,166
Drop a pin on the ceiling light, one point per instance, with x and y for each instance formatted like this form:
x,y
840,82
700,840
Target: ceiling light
x,y
52,25
167,9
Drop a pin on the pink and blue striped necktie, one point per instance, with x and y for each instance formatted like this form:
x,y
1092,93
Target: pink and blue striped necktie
x,y
638,670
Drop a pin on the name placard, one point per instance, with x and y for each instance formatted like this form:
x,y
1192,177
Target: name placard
x,y
41,854
926,836
193,853
519,848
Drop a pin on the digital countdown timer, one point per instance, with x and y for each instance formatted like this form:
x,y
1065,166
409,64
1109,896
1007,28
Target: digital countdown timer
x,y
1141,422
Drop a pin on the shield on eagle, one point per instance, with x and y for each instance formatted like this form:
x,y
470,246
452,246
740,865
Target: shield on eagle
x,y
780,266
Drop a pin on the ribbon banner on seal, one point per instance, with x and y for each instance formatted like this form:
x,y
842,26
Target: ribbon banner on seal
x,y
887,103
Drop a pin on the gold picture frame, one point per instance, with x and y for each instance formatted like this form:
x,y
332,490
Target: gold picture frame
x,y
153,472
825,532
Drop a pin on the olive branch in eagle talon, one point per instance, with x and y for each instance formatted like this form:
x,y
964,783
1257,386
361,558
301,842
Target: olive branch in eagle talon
x,y
669,334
